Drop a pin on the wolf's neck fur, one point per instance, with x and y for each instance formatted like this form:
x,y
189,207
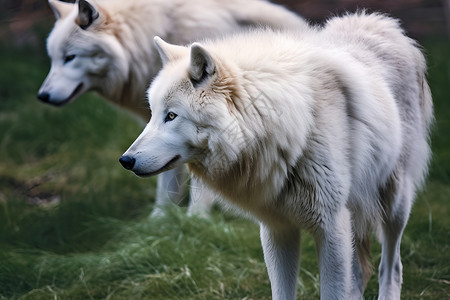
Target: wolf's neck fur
x,y
126,21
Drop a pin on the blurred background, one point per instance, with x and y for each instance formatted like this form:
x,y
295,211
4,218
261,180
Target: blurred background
x,y
74,224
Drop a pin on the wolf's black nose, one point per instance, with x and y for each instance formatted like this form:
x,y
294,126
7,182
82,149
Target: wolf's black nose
x,y
127,162
44,97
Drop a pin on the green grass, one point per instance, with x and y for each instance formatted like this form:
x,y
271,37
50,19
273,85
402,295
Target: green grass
x,y
74,225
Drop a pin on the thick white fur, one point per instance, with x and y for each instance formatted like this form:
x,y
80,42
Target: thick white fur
x,y
324,130
115,56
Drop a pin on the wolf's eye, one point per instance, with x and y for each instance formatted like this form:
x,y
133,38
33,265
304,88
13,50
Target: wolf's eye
x,y
68,58
170,116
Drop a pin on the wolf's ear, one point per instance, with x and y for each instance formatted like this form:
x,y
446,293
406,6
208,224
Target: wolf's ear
x,y
202,65
59,8
87,14
168,52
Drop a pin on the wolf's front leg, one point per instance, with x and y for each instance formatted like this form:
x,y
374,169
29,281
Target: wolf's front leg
x,y
202,198
334,247
169,190
281,254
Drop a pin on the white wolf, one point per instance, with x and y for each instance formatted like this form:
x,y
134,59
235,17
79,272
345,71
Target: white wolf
x,y
324,130
105,46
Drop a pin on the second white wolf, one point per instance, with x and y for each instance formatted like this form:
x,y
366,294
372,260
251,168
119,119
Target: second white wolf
x,y
106,46
325,130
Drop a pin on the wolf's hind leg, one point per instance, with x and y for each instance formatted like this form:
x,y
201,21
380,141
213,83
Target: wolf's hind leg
x,y
398,201
361,266
281,254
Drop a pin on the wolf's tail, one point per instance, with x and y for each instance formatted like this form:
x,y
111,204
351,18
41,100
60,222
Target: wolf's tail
x,y
259,12
426,102
426,114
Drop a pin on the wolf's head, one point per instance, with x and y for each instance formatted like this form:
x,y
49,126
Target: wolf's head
x,y
190,102
84,56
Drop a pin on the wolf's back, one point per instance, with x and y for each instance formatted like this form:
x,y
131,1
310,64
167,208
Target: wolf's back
x,y
379,41
258,12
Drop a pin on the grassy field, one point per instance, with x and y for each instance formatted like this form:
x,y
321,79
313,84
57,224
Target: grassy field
x,y
74,224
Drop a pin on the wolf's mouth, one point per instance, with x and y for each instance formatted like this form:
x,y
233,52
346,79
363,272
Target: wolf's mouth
x,y
166,167
68,99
